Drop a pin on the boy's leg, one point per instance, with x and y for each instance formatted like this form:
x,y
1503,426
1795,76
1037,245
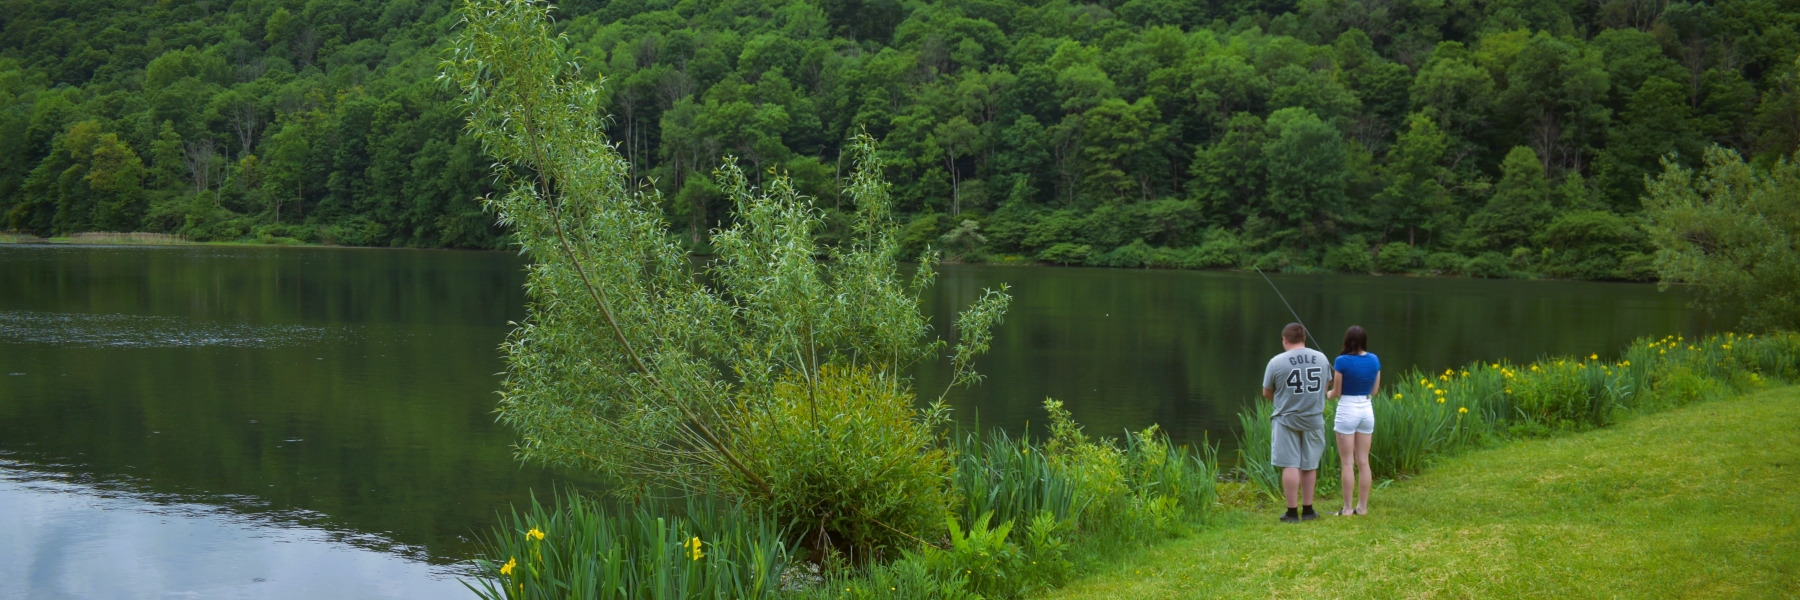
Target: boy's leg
x,y
1290,486
1307,481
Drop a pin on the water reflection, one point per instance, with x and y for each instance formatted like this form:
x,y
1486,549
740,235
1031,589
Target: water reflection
x,y
140,331
103,541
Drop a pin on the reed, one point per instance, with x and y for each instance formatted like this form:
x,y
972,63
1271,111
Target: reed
x,y
581,549
1423,416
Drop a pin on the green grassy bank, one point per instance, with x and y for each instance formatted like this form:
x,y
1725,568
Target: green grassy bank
x,y
1698,501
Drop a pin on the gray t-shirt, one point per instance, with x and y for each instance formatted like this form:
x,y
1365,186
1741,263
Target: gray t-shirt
x,y
1299,378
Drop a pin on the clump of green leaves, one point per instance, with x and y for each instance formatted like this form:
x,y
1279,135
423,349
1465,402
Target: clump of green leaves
x,y
1732,232
736,379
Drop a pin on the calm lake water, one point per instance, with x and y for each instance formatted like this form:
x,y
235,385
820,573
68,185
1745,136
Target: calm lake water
x,y
313,422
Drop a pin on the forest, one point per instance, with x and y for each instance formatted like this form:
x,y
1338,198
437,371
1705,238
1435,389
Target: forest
x,y
1485,138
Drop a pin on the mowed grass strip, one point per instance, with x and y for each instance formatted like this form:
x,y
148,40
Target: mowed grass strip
x,y
1698,502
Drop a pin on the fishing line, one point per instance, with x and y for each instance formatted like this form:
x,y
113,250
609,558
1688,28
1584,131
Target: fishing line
x,y
1290,307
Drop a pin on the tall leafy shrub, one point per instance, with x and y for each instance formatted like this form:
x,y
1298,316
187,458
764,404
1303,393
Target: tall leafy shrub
x,y
775,376
1732,232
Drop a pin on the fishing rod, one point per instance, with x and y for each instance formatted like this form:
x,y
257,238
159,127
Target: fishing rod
x,y
1290,307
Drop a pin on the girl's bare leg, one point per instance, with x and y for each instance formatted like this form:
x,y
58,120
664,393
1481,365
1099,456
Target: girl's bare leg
x,y
1365,479
1347,476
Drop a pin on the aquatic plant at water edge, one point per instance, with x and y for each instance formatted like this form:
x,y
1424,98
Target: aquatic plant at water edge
x,y
580,549
635,364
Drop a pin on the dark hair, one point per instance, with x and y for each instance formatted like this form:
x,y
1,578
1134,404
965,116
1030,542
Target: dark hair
x,y
1355,340
1294,333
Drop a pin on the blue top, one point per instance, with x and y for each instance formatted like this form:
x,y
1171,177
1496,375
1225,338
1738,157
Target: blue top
x,y
1359,372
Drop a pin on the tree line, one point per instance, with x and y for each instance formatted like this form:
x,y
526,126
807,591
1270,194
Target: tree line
x,y
1492,139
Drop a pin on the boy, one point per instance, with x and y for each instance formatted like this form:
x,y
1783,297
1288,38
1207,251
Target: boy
x,y
1296,381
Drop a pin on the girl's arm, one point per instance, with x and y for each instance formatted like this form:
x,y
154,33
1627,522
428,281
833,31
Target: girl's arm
x,y
1337,385
1377,389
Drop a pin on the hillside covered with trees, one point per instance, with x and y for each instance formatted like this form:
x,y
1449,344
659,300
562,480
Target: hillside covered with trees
x,y
1482,138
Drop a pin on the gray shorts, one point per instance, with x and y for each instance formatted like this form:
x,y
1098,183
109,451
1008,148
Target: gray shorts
x,y
1297,449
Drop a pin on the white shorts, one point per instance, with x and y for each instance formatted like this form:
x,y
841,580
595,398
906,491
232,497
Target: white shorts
x,y
1354,415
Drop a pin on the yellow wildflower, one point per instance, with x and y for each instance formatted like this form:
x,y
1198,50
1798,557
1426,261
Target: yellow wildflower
x,y
1424,382
507,568
1534,368
534,534
1399,396
694,544
1625,364
1593,357
1462,410
1440,400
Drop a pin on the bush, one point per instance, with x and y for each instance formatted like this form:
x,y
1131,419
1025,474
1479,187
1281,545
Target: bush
x,y
921,234
1446,263
1350,257
1066,254
1135,254
1589,244
1222,248
1397,257
1489,265
857,470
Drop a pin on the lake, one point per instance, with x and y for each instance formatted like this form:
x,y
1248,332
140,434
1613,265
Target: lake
x,y
231,422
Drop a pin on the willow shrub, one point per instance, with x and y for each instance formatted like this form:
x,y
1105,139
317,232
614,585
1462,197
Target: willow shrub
x,y
776,377
1421,416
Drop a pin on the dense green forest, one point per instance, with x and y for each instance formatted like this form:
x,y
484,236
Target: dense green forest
x,y
1487,138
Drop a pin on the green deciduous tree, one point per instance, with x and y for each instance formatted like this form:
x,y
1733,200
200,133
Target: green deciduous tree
x,y
1304,162
1415,198
1733,232
1519,207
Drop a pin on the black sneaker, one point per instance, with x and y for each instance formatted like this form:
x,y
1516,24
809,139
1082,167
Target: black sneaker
x,y
1286,518
1309,516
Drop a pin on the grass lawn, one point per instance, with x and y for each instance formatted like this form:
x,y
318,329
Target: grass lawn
x,y
1702,502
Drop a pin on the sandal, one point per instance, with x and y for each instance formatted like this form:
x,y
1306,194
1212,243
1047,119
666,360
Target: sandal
x,y
1345,512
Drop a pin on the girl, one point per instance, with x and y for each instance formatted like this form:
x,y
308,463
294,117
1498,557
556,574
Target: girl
x,y
1358,378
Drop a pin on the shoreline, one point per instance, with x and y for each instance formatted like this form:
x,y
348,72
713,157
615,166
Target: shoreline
x,y
22,240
